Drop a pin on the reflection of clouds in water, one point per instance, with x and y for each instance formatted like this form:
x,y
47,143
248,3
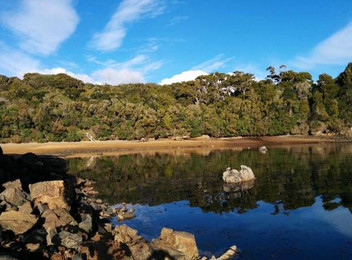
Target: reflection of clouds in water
x,y
339,218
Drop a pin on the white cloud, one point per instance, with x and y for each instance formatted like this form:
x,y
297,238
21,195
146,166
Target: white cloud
x,y
213,64
107,75
42,25
184,76
115,77
15,62
335,50
58,70
128,11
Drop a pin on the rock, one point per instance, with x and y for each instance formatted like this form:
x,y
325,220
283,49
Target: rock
x,y
15,184
203,137
1,152
51,232
32,247
86,224
51,193
180,245
26,208
137,245
125,234
68,240
238,187
229,254
125,215
14,194
57,218
234,176
99,201
4,256
17,221
36,236
263,149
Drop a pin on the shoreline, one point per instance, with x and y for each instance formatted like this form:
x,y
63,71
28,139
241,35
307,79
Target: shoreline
x,y
117,147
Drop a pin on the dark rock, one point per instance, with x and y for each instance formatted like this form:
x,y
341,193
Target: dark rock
x,y
1,152
37,236
87,223
68,240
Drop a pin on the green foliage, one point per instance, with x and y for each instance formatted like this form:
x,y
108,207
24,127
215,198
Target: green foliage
x,y
60,108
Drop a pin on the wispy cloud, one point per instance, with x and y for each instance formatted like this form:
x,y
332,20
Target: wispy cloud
x,y
41,25
335,50
142,63
15,62
177,19
213,64
127,12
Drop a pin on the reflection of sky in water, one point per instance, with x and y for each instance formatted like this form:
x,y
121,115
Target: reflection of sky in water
x,y
298,208
307,232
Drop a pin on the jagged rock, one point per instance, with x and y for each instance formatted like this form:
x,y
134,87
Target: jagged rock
x,y
14,194
51,232
14,184
137,245
87,223
51,193
234,176
68,240
17,221
26,208
57,218
180,245
229,254
238,186
125,215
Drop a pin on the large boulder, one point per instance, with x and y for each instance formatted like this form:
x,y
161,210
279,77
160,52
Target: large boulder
x,y
180,245
234,176
17,221
51,193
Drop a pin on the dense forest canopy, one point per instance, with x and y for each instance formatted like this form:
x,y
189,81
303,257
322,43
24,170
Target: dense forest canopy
x,y
61,108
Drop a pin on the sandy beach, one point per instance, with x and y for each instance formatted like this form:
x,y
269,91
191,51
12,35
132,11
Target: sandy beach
x,y
65,149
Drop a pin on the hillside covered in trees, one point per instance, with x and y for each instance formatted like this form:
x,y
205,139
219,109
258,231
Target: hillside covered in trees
x,y
45,108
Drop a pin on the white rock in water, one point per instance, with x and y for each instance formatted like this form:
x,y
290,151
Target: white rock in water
x,y
263,149
234,176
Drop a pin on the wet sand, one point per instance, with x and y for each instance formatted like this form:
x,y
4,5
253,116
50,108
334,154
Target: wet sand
x,y
74,149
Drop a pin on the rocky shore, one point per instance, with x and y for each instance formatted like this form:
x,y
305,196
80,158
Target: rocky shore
x,y
47,214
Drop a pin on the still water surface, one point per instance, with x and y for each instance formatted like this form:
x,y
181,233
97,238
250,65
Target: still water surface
x,y
299,206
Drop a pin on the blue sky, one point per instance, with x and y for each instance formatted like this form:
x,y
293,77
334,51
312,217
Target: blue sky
x,y
160,41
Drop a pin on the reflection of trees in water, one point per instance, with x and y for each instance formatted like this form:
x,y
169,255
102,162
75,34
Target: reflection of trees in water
x,y
291,176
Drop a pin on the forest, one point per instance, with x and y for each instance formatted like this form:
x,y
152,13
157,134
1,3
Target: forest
x,y
43,108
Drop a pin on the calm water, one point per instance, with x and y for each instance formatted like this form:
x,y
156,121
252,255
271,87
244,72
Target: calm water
x,y
299,207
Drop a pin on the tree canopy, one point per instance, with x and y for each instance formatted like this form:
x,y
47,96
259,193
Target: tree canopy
x,y
61,108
